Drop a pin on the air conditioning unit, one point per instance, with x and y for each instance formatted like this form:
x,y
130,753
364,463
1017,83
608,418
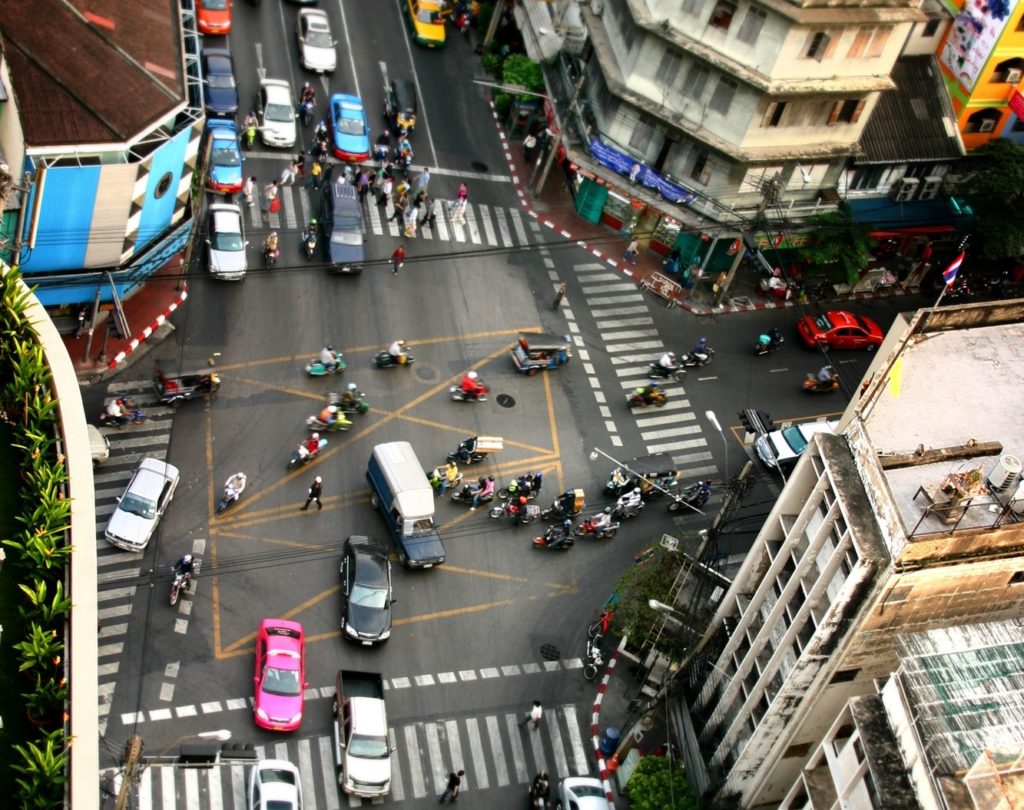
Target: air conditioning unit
x,y
904,189
988,125
1014,75
930,188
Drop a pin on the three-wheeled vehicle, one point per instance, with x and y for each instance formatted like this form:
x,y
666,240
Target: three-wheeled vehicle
x,y
400,105
175,390
533,352
654,474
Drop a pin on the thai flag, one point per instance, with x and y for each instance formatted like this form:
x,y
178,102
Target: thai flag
x,y
949,274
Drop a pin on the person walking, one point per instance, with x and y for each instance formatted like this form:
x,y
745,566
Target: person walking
x,y
315,491
288,175
398,259
632,252
362,185
529,146
540,790
270,201
422,181
248,190
535,715
429,217
300,164
451,791
401,201
385,192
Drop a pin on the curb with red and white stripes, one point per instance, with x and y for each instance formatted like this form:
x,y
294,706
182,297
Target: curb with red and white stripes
x,y
144,335
595,724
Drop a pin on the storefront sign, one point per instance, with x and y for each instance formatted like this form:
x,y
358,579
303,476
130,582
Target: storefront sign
x,y
1017,104
627,165
971,41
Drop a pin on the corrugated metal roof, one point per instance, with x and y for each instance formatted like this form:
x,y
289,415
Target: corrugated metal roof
x,y
100,71
914,122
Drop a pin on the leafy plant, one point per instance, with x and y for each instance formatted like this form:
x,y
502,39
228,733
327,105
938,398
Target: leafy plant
x,y
659,782
635,617
995,189
41,650
42,606
47,698
42,768
839,246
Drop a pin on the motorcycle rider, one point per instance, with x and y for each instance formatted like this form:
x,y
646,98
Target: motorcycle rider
x,y
397,352
668,362
471,387
117,412
186,569
700,351
601,521
650,392
349,400
310,233
233,488
566,501
307,95
270,250
770,338
517,509
310,446
329,415
558,536
485,488
249,127
329,357
631,501
449,478
826,376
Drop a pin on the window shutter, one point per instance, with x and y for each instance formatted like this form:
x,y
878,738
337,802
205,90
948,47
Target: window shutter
x,y
769,113
878,41
859,42
833,44
857,111
833,116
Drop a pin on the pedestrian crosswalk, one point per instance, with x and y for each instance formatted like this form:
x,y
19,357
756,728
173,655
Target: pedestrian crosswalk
x,y
494,750
631,342
477,224
118,571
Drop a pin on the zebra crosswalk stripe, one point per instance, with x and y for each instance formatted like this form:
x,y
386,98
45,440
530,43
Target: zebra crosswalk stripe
x,y
324,746
412,747
474,232
497,751
506,237
517,224
485,219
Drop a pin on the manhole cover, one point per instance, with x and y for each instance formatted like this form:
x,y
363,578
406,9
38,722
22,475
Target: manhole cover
x,y
505,401
480,167
549,652
426,374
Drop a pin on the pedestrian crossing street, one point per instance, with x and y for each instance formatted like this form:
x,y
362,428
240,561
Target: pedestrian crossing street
x,y
493,749
118,572
483,225
631,342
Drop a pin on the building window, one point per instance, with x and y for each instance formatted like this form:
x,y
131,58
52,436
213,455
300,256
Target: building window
x,y
696,80
817,45
798,750
773,115
163,185
628,31
1009,72
867,178
722,16
860,42
1017,578
750,30
858,750
694,7
931,28
668,69
878,40
721,99
643,131
846,111
983,121
1018,125
845,676
700,171
873,797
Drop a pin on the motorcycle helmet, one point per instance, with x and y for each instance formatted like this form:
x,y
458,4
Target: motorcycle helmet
x,y
313,221
351,386
472,375
639,390
522,500
319,480
329,347
332,408
187,559
316,437
607,510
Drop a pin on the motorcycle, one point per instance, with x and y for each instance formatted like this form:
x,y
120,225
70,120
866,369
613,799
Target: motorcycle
x,y
465,494
304,455
270,257
519,517
558,509
358,404
385,360
233,488
658,398
318,368
458,395
601,528
306,111
556,538
593,660
812,385
468,452
695,495
677,373
249,137
770,341
309,245
179,583
134,416
322,151
692,359
340,424
623,512
528,485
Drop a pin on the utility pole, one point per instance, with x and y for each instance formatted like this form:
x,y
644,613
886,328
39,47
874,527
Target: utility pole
x,y
769,196
553,150
132,755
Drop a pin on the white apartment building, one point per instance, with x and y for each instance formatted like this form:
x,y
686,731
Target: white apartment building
x,y
905,522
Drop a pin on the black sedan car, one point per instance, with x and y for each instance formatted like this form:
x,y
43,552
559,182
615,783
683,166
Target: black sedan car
x,y
366,591
220,93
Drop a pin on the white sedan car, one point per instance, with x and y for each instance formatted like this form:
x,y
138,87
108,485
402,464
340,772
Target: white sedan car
x,y
143,503
316,45
582,793
225,242
274,785
276,111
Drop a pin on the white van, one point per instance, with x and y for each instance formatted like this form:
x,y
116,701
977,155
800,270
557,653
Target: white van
x,y
782,448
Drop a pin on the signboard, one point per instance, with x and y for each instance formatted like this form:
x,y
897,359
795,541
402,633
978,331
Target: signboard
x,y
629,166
973,37
1017,104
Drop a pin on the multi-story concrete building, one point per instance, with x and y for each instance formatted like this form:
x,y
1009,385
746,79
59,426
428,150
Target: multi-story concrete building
x,y
946,729
908,520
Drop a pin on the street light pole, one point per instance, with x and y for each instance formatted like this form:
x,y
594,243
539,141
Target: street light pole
x,y
714,421
133,756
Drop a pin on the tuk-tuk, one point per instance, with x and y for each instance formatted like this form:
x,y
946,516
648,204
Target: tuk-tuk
x,y
533,352
653,474
400,105
175,390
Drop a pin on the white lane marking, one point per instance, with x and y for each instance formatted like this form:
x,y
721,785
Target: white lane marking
x,y
422,112
397,787
497,750
351,53
517,223
518,759
436,756
506,236
412,746
485,220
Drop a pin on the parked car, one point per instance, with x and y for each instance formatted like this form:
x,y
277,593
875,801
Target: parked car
x,y
341,219
99,445
223,157
280,675
275,109
213,16
839,329
366,591
225,242
582,793
782,448
426,22
220,92
316,45
349,133
142,505
274,785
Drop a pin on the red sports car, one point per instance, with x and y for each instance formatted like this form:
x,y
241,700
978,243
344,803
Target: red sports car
x,y
213,16
280,675
839,329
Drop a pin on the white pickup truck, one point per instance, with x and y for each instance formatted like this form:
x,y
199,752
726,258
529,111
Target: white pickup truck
x,y
362,753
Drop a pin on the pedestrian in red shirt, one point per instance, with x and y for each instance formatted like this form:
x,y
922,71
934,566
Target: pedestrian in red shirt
x,y
398,259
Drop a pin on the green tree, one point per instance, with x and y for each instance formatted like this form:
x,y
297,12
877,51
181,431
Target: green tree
x,y
994,187
658,783
522,71
635,617
838,246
